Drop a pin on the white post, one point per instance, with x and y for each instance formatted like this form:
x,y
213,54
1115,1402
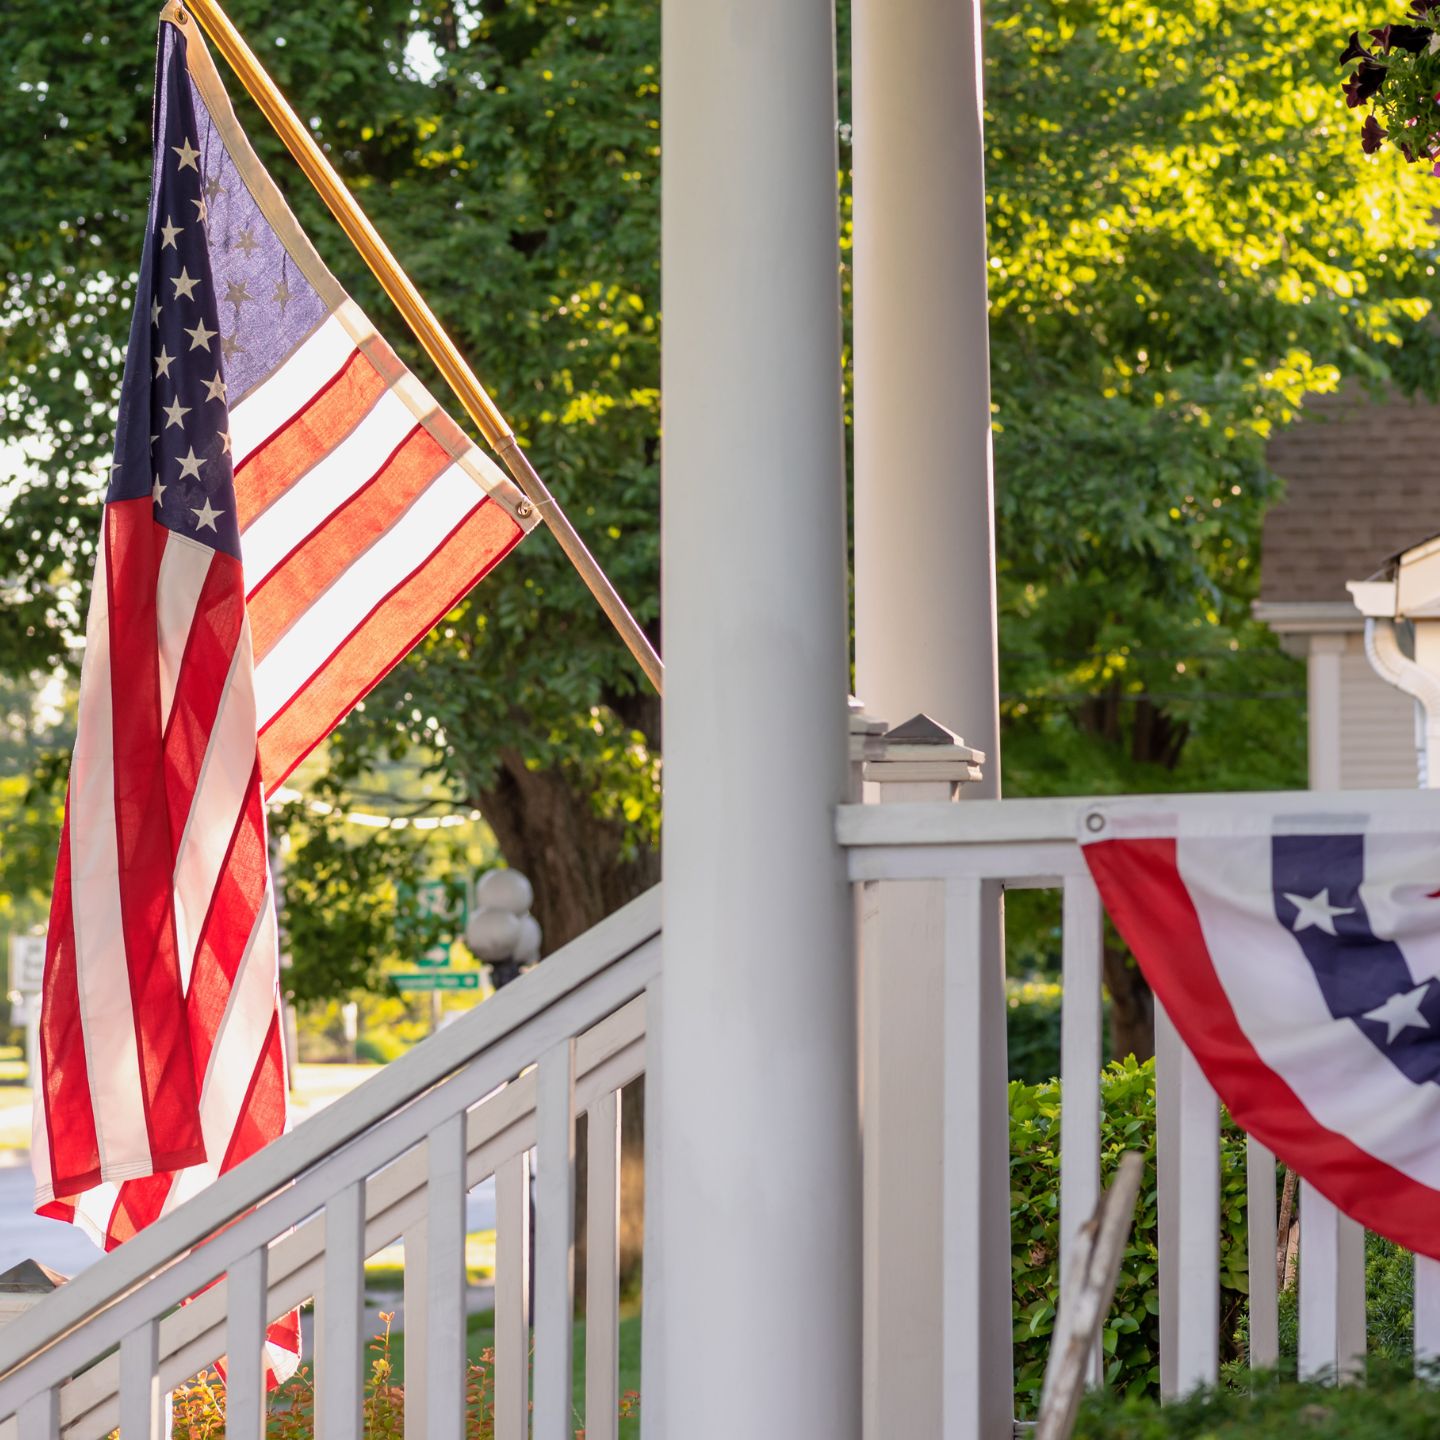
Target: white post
x,y
924,507
759,1104
1332,1246
902,1059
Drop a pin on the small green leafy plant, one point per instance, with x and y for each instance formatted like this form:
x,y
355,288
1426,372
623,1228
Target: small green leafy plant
x,y
1132,1332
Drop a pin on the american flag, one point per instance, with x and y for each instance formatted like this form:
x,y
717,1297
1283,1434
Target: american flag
x,y
288,513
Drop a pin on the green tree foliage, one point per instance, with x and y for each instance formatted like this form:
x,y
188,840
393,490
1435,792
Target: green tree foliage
x,y
1185,241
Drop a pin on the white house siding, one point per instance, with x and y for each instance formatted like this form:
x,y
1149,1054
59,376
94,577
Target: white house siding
x,y
1377,727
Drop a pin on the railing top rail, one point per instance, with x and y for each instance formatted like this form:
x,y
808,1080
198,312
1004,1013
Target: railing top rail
x,y
1031,821
320,1136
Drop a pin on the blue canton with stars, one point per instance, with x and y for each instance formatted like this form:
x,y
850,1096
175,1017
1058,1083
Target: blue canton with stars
x,y
173,440
1365,979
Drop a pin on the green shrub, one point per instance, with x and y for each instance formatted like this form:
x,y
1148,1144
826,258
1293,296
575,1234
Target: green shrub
x,y
1132,1332
1391,1404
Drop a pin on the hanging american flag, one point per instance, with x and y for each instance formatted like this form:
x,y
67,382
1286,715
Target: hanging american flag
x,y
288,513
1300,961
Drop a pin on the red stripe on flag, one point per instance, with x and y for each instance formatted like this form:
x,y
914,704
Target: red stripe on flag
x,y
138,1204
1144,894
327,552
262,1116
209,651
65,1077
307,437
134,544
384,637
239,894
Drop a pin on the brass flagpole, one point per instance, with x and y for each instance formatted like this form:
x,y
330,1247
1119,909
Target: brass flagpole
x,y
421,319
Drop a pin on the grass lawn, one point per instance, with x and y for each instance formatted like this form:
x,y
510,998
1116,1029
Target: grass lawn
x,y
481,1331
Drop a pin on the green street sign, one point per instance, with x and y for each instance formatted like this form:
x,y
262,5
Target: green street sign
x,y
437,980
435,955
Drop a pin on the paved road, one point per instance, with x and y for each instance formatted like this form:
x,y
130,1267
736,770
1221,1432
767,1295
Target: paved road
x,y
25,1235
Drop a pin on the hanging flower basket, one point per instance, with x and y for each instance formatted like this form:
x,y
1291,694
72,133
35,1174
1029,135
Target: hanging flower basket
x,y
1398,76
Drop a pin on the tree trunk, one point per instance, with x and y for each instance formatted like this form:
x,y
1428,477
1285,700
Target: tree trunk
x,y
572,856
1132,1006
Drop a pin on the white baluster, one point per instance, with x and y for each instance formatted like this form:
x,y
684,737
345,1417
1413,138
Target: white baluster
x,y
602,1270
978,1380
39,1417
245,1325
1080,1022
417,1323
141,1411
652,1411
555,1242
1260,1224
1427,1304
445,1287
512,1298
1332,1289
1188,1146
339,1311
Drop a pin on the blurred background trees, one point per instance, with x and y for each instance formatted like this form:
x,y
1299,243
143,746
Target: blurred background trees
x,y
1185,242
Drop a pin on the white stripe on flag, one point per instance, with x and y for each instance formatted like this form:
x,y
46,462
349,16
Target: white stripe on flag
x,y
278,529
239,1043
1344,1082
221,792
102,973
307,646
183,568
266,408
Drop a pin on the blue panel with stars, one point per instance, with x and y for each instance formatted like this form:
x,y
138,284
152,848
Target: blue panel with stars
x,y
173,439
1364,978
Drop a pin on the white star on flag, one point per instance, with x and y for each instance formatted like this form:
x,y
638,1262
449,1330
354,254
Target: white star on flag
x,y
169,230
1401,1011
188,155
205,515
190,465
183,284
163,361
1316,910
174,412
157,491
214,386
200,337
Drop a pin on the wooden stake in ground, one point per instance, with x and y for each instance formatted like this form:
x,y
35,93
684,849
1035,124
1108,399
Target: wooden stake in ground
x,y
421,319
1101,1245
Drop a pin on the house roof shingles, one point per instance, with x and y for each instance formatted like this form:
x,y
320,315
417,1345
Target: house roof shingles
x,y
1362,482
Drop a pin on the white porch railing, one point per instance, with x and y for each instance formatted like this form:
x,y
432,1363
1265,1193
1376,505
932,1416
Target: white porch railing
x,y
395,1158
935,874
392,1160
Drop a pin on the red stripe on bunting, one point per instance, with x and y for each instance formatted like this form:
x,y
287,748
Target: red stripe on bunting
x,y
134,545
1144,894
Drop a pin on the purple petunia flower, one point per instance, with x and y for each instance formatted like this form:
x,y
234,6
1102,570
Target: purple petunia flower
x,y
1364,83
1372,135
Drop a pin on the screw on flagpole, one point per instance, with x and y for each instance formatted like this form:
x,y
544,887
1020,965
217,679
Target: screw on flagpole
x,y
420,318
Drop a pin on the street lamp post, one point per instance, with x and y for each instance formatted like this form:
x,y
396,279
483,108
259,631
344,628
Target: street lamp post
x,y
501,931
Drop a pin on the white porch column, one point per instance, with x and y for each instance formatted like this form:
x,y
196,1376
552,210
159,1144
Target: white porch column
x,y
758,1112
924,506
